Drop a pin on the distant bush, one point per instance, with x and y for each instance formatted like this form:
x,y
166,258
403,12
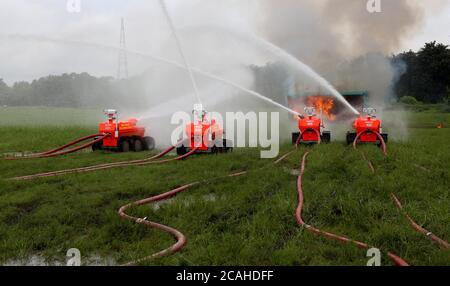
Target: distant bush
x,y
409,100
446,105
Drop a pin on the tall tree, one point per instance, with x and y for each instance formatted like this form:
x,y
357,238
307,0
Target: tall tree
x,y
5,92
427,77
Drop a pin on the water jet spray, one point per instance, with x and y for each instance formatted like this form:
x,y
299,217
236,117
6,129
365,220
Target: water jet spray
x,y
155,58
180,49
204,134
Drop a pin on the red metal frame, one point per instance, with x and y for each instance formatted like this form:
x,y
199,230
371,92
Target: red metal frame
x,y
307,125
368,127
196,132
127,128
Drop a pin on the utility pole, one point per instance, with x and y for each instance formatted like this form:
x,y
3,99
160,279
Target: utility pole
x,y
122,70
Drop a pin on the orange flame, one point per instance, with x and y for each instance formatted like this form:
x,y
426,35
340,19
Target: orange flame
x,y
323,105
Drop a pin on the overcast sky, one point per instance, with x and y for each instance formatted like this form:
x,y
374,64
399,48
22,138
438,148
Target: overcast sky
x,y
436,28
99,22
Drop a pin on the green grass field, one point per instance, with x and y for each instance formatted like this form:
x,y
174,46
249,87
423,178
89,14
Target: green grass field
x,y
237,221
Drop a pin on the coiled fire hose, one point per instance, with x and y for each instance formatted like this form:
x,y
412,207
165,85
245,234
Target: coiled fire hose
x,y
396,201
58,152
179,236
142,162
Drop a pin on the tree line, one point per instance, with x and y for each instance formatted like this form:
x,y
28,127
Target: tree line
x,y
74,90
427,74
425,77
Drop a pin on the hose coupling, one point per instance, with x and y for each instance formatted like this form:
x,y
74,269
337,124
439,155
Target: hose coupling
x,y
141,220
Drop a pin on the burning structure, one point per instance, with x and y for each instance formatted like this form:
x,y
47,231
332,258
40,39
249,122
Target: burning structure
x,y
274,80
327,106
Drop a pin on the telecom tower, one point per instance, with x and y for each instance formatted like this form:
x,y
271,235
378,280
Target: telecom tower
x,y
122,70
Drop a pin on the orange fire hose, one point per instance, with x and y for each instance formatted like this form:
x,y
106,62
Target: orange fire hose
x,y
383,144
298,215
107,166
299,139
55,152
180,237
417,227
397,202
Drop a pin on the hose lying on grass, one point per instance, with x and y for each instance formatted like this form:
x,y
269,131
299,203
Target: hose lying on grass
x,y
397,202
181,238
142,162
298,212
417,227
298,215
178,235
61,150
